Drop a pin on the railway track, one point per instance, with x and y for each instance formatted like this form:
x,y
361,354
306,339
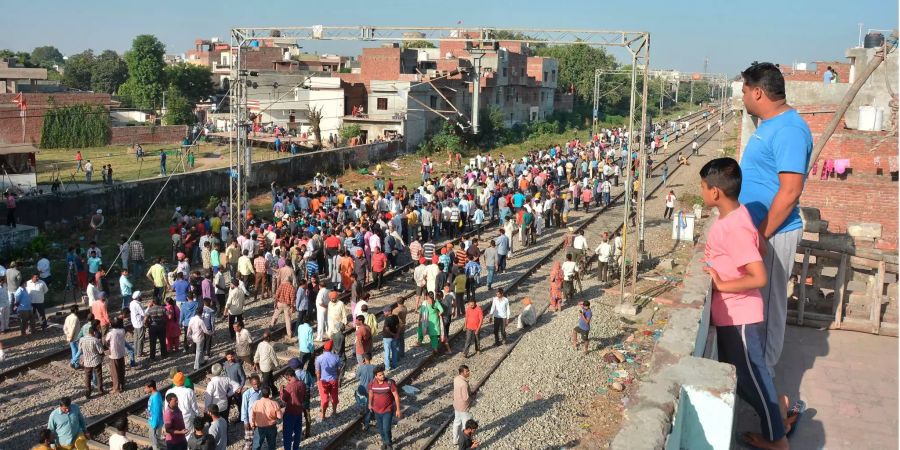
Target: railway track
x,y
421,410
48,368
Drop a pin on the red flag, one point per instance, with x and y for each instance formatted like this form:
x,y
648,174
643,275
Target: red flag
x,y
20,100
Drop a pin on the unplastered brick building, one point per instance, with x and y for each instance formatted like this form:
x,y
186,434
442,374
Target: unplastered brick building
x,y
855,177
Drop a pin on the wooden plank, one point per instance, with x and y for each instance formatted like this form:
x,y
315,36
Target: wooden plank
x,y
875,312
803,273
839,285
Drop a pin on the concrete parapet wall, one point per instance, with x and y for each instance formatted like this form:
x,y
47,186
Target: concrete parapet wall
x,y
687,400
134,197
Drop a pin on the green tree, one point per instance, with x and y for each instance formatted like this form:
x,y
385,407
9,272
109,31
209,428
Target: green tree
x,y
194,81
146,76
179,110
349,131
577,66
46,56
108,72
23,57
419,44
77,73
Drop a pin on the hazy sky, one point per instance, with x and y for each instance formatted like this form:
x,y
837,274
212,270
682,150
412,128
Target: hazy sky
x,y
683,33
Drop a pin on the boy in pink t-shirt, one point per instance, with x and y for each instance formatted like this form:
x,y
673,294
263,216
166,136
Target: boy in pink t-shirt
x,y
737,271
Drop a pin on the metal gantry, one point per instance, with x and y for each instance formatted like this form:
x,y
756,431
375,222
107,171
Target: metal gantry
x,y
636,43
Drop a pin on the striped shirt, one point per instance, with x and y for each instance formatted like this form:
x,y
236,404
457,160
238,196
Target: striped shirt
x,y
91,351
136,251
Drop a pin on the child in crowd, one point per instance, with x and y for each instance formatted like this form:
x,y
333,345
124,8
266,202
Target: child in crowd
x,y
734,263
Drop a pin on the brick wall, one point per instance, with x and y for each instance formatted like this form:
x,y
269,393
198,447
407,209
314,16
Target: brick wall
x,y
148,135
380,63
842,69
38,104
865,193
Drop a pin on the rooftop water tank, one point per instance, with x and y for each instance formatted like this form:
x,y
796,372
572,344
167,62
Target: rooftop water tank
x,y
873,40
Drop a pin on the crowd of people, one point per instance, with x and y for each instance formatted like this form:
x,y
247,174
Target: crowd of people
x,y
319,246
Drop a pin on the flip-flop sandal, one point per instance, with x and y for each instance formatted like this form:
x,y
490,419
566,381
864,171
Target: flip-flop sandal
x,y
797,409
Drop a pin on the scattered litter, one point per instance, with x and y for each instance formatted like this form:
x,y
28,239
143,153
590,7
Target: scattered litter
x,y
618,387
602,390
657,335
525,388
410,390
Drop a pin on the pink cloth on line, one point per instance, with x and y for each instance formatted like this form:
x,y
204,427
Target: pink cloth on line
x,y
841,165
827,168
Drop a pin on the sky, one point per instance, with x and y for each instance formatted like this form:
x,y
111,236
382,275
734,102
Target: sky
x,y
682,34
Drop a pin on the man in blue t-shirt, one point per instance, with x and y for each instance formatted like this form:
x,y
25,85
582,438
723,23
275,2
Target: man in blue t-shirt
x,y
774,165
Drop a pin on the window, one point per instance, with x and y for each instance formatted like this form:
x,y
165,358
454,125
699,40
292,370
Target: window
x,y
522,71
504,71
497,97
545,75
433,101
382,103
553,75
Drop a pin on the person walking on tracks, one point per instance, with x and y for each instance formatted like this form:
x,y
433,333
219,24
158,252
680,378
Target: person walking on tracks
x,y
328,366
570,274
462,401
500,316
384,401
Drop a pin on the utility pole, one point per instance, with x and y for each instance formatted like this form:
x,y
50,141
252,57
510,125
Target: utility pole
x,y
476,89
677,85
692,91
596,102
706,65
662,91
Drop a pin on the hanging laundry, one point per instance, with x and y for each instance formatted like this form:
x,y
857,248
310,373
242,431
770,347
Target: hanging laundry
x,y
877,161
841,166
827,168
892,163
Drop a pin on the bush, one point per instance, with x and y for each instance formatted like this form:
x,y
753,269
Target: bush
x,y
75,126
447,139
689,200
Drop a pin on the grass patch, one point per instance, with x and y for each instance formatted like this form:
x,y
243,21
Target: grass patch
x,y
128,168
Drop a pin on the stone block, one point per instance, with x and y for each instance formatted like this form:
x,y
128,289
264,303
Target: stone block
x,y
837,242
666,264
829,271
628,309
807,236
809,214
864,230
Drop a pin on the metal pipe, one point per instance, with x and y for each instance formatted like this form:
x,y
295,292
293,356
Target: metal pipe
x,y
628,175
639,249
